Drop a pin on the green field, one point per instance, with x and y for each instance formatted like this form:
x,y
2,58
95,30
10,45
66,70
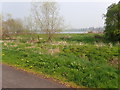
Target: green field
x,y
87,60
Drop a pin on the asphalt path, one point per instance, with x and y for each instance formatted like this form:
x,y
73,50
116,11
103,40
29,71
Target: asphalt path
x,y
13,78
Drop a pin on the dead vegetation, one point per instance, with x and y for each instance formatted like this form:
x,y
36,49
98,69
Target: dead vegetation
x,y
115,63
59,43
53,51
65,37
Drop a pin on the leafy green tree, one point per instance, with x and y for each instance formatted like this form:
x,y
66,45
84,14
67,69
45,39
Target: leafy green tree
x,y
112,21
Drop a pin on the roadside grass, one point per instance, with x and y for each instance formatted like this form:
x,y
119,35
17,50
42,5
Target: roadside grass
x,y
87,65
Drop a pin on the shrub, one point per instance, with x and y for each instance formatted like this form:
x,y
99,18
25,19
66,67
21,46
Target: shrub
x,y
112,21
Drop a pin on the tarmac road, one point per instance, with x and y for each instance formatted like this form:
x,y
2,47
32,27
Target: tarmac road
x,y
13,78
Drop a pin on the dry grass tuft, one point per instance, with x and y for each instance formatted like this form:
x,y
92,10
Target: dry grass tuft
x,y
53,51
59,43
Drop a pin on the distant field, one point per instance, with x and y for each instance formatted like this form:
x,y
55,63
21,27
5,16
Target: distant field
x,y
87,60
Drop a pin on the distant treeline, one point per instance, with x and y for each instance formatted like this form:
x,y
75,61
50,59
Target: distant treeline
x,y
90,29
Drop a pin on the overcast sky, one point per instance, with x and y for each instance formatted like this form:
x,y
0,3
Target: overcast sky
x,y
76,14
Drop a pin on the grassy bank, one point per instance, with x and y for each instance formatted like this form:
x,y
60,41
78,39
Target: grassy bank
x,y
85,59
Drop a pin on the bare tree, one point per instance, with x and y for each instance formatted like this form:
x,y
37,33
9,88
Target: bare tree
x,y
11,26
47,18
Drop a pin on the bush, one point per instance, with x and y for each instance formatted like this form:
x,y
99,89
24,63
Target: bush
x,y
112,21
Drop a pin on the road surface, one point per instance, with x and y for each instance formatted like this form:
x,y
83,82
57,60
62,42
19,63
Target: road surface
x,y
13,78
